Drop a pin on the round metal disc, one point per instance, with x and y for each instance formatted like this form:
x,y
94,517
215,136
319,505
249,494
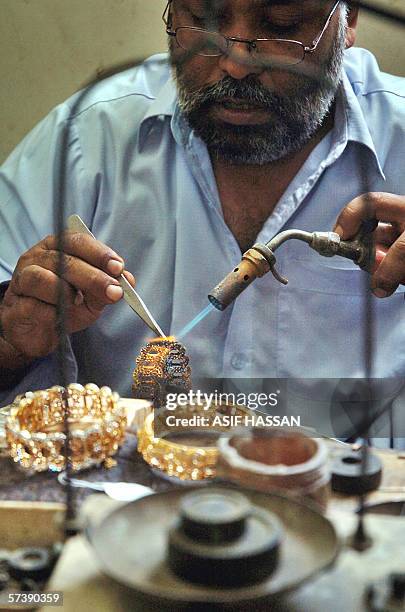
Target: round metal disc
x,y
131,544
348,475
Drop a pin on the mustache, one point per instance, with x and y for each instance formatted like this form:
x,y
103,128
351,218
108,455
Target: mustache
x,y
247,90
250,91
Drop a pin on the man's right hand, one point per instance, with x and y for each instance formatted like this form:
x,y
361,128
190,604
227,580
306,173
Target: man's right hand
x,y
28,309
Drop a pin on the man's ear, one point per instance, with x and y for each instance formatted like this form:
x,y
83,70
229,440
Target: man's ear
x,y
352,18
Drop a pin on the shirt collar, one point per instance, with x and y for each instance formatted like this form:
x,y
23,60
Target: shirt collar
x,y
164,105
353,122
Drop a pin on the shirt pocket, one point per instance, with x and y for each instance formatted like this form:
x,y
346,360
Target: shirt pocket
x,y
322,322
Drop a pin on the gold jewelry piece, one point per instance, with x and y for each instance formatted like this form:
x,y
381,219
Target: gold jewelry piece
x,y
35,427
184,461
163,361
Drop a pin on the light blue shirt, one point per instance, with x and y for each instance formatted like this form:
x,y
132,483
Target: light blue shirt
x,y
144,184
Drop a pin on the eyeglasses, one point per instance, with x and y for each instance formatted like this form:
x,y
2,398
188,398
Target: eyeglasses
x,y
278,51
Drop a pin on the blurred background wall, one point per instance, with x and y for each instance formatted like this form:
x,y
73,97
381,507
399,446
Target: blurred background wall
x,y
49,48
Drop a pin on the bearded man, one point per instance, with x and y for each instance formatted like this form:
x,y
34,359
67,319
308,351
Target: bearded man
x,y
261,118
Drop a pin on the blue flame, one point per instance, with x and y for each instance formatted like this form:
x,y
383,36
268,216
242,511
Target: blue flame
x,y
195,321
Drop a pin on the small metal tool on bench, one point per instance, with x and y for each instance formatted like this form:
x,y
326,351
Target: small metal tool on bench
x,y
122,491
76,224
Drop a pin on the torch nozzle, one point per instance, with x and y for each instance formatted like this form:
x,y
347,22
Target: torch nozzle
x,y
254,264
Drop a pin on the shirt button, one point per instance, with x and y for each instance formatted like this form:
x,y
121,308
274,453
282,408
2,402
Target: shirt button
x,y
239,361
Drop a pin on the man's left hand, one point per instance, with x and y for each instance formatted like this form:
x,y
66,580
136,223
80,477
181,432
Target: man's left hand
x,y
389,210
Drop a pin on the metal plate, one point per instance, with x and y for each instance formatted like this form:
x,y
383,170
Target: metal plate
x,y
131,544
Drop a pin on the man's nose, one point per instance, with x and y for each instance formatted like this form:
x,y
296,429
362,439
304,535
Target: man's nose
x,y
239,61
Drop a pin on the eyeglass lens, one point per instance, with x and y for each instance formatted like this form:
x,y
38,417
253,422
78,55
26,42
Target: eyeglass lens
x,y
212,44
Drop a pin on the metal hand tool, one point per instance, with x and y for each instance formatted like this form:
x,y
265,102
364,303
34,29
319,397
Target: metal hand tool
x,y
260,259
122,491
76,224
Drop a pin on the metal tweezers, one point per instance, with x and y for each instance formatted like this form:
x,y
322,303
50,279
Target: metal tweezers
x,y
76,224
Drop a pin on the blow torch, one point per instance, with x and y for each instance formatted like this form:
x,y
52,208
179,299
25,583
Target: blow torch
x,y
260,259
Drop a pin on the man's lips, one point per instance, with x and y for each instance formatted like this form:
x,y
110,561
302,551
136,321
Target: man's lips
x,y
240,102
240,112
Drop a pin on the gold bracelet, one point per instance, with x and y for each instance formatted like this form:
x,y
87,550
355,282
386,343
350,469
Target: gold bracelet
x,y
162,362
180,460
35,427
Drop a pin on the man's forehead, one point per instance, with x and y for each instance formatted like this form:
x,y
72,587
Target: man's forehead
x,y
214,7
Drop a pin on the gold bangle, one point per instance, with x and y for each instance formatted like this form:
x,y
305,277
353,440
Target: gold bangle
x,y
180,460
163,361
35,427
184,462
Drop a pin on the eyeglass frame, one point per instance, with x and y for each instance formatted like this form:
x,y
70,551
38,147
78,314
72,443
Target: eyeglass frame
x,y
251,43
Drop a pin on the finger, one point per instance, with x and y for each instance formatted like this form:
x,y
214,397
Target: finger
x,y
43,285
80,317
36,282
97,286
130,278
391,271
380,255
94,304
378,205
386,234
79,298
87,249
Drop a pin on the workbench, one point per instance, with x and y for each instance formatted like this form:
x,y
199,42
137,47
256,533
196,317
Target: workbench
x,y
341,588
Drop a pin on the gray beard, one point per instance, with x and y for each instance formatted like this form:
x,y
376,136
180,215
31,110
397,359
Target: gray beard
x,y
298,114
